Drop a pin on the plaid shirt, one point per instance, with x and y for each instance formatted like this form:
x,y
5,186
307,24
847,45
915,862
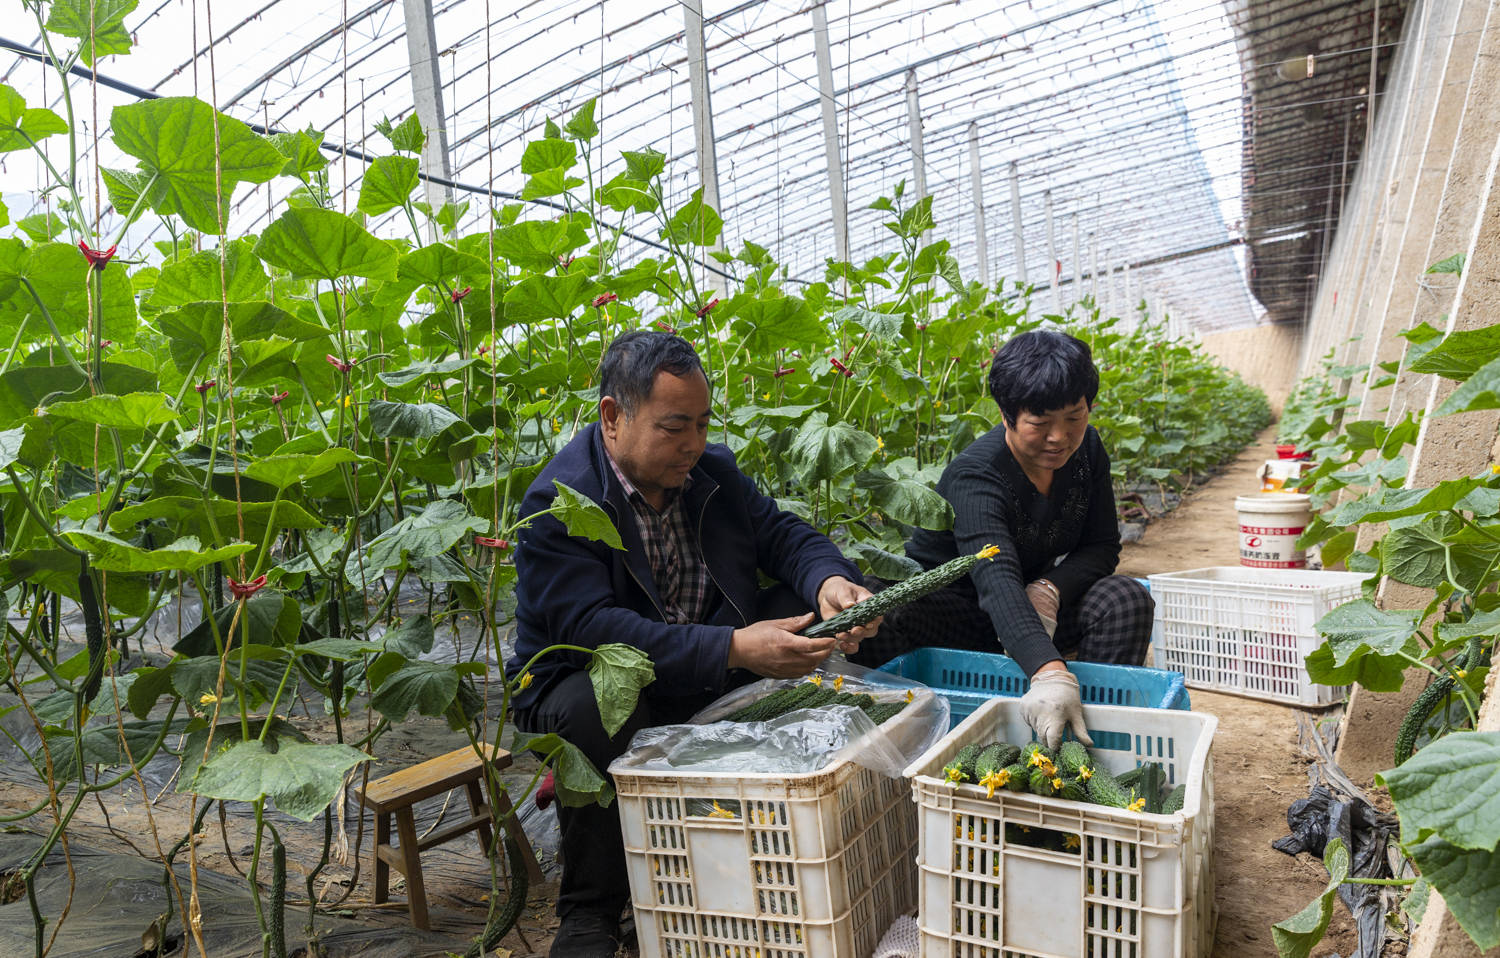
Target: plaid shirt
x,y
677,565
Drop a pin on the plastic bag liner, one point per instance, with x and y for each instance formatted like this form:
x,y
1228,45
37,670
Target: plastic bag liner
x,y
1325,815
804,740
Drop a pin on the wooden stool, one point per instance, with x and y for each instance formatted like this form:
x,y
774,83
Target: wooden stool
x,y
396,793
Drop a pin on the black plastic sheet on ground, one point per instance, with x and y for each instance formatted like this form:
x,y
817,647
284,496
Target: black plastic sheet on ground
x,y
117,898
1325,815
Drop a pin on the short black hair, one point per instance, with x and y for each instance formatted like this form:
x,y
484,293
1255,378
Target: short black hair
x,y
1040,371
630,364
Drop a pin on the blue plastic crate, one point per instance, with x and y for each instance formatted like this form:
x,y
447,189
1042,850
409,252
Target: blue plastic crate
x,y
968,679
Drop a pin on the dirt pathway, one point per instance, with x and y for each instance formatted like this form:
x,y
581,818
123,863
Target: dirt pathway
x,y
1258,768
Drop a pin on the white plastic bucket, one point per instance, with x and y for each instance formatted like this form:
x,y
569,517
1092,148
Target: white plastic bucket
x,y
1269,526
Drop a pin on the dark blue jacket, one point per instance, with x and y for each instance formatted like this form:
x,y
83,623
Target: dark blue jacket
x,y
578,592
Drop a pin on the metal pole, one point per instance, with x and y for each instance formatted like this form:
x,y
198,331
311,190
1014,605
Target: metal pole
x,y
1094,274
1130,310
976,181
1054,266
427,94
1015,219
836,196
914,121
703,114
1077,263
1109,284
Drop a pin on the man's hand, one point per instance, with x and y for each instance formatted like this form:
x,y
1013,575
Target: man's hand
x,y
837,594
1052,706
1044,599
773,648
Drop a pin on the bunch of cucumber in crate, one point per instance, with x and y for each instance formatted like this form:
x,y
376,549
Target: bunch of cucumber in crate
x,y
1070,773
816,693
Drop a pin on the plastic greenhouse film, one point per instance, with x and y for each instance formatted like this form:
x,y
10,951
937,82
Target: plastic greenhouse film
x,y
802,740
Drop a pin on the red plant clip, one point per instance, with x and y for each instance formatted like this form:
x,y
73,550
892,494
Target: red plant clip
x,y
106,344
276,398
921,327
841,367
565,261
784,371
244,590
703,310
338,363
491,542
98,258
459,294
483,349
666,327
603,299
206,385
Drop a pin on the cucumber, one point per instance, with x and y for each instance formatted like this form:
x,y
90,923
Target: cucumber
x,y
1018,777
897,595
961,769
994,758
1174,800
1072,757
1073,790
1103,789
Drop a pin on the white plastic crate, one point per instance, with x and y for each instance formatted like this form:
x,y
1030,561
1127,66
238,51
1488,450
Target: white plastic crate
x,y
726,865
1247,631
1112,884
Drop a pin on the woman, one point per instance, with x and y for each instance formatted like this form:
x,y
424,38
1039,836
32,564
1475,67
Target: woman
x,y
1038,486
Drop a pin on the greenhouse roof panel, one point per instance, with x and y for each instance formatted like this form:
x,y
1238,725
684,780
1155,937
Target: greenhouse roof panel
x,y
1119,122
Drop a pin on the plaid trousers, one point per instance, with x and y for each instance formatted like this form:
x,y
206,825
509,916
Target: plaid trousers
x,y
1110,623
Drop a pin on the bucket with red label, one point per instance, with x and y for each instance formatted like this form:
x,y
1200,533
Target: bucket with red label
x,y
1269,526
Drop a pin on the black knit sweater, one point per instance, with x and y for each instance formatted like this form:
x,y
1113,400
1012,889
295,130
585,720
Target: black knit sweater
x,y
994,503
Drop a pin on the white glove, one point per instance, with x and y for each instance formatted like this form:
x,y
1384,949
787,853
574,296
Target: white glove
x,y
1052,706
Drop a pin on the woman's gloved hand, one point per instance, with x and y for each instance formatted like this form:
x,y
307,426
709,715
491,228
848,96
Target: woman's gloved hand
x,y
1052,706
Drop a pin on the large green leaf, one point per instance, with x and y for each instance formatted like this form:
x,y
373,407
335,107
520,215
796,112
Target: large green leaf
x,y
183,555
20,127
272,620
1295,937
387,184
1480,391
407,420
134,411
891,566
882,326
776,322
10,445
1360,624
286,470
420,372
695,224
1460,354
536,244
59,275
1416,554
1469,880
174,140
101,745
235,274
1378,673
905,500
100,24
437,264
431,532
406,136
299,777
1450,789
542,296
548,154
303,150
56,570
323,244
190,515
583,518
821,450
1390,504
578,783
618,673
429,688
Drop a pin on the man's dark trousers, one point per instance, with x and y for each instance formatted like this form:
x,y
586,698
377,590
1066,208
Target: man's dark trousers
x,y
594,878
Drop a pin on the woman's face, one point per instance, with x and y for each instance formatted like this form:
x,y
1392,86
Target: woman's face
x,y
1047,440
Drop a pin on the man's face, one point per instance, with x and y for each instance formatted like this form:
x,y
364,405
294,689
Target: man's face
x,y
657,445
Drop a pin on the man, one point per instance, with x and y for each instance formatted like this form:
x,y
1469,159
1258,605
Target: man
x,y
685,591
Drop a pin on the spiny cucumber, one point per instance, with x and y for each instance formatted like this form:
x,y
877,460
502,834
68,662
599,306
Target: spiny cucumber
x,y
994,758
1018,777
1103,789
961,769
897,595
1174,800
1072,757
1421,709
